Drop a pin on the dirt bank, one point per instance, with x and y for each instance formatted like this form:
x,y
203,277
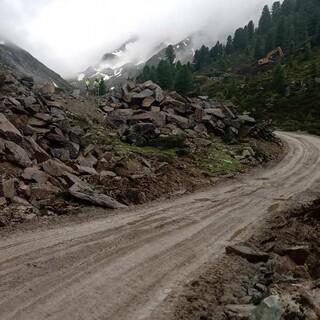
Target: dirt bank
x,y
233,288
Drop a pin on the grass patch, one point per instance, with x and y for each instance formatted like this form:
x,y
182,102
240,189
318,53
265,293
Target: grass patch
x,y
218,158
172,153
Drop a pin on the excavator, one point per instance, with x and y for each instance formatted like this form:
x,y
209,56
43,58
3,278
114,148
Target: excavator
x,y
270,58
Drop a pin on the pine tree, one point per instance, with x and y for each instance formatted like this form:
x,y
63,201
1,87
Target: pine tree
x,y
270,42
259,50
276,8
165,75
250,31
265,22
153,74
314,69
279,79
170,54
184,80
240,40
145,75
307,50
102,87
202,58
288,7
281,34
229,45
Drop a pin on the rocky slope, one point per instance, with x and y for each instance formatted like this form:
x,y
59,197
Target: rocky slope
x,y
53,160
23,62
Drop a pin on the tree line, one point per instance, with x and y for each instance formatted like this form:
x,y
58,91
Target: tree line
x,y
170,74
293,25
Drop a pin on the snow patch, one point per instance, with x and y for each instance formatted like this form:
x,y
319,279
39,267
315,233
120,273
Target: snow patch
x,y
2,42
81,76
117,73
178,46
54,84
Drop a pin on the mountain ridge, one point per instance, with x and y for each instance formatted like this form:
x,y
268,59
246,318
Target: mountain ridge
x,y
23,62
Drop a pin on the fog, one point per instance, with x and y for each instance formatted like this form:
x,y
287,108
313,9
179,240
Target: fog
x,y
70,35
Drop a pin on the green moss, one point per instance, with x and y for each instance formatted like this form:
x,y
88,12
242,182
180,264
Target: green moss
x,y
172,153
218,158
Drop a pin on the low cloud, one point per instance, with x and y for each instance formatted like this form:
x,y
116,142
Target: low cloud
x,y
70,35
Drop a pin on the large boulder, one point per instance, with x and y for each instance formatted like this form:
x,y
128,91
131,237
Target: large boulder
x,y
35,174
56,168
269,309
248,253
143,94
182,122
8,131
17,154
87,194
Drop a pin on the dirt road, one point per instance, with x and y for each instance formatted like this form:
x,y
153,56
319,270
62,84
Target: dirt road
x,y
123,266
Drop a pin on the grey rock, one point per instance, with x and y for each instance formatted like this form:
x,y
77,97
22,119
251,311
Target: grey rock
x,y
148,102
89,195
182,122
143,94
37,152
248,253
87,170
35,174
215,112
105,173
17,155
247,119
56,168
299,254
8,131
239,312
8,188
43,191
269,309
159,94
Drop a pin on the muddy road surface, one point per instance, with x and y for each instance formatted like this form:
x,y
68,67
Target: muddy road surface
x,y
123,266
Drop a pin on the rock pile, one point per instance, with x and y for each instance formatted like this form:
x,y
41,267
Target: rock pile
x,y
40,152
144,113
48,154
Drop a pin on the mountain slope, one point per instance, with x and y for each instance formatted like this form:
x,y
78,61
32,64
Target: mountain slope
x,y
23,62
123,63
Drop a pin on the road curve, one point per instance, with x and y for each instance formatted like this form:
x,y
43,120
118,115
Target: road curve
x,y
123,266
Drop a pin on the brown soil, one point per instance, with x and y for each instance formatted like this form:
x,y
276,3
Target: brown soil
x,y
232,280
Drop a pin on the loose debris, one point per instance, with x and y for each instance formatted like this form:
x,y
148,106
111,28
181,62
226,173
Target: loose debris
x,y
54,160
284,285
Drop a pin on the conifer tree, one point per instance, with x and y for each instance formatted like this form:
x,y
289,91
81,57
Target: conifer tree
x,y
276,7
184,80
170,54
165,75
259,50
279,79
265,22
229,45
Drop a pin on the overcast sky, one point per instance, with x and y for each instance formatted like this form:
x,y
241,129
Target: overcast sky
x,y
69,35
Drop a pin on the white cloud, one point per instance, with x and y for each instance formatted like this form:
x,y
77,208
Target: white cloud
x,y
69,35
